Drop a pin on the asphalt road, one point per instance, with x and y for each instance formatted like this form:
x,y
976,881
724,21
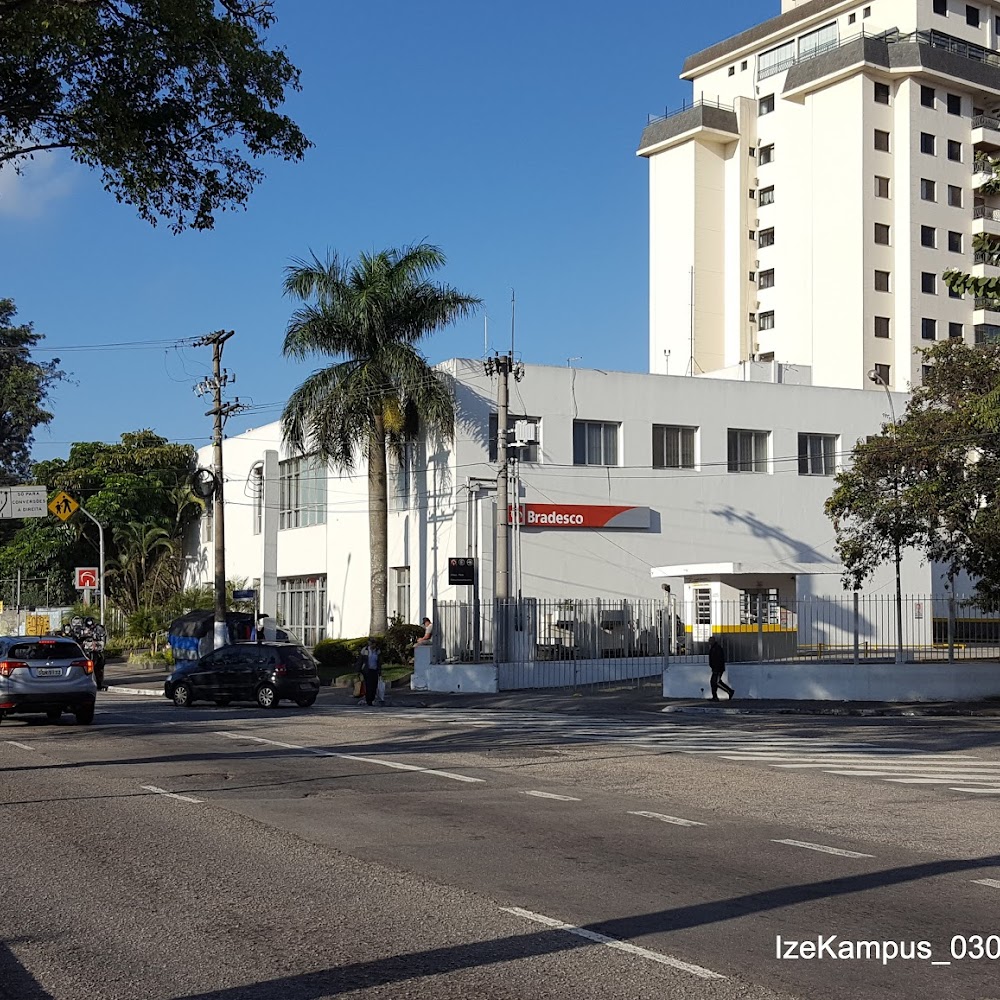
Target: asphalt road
x,y
224,854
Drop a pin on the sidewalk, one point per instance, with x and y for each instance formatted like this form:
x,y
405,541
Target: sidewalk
x,y
130,679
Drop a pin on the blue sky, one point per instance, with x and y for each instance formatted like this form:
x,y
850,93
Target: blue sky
x,y
505,134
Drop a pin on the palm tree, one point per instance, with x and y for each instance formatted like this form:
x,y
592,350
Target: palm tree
x,y
369,315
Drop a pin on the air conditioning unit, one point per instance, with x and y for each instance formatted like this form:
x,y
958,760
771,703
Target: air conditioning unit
x,y
525,432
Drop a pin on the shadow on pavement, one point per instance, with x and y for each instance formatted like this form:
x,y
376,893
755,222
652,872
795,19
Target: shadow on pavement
x,y
15,980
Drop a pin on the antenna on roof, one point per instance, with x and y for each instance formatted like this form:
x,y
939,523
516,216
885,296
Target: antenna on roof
x,y
512,322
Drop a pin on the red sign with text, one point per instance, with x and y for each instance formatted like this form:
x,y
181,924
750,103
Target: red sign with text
x,y
570,515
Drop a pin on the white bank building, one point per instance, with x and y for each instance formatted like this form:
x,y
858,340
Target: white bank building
x,y
627,484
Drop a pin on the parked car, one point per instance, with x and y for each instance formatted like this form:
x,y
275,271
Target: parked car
x,y
265,672
47,674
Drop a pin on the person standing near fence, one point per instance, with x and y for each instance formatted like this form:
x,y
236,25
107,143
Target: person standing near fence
x,y
371,669
717,664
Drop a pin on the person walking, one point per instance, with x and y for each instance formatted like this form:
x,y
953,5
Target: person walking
x,y
371,669
717,663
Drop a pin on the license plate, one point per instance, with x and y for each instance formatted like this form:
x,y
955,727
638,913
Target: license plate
x,y
305,687
49,672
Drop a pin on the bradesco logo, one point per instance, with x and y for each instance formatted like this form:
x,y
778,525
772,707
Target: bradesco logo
x,y
554,515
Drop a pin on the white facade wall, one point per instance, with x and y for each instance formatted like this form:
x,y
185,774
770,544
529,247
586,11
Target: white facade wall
x,y
772,522
821,136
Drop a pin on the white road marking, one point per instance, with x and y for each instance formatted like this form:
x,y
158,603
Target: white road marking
x,y
20,746
823,848
397,765
630,949
170,795
977,791
991,882
552,795
676,820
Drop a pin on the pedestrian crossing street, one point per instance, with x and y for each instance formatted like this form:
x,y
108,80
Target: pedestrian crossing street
x,y
895,764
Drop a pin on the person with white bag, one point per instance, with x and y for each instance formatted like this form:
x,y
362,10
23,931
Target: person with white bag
x,y
371,671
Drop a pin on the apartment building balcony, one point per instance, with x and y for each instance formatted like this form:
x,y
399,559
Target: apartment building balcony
x,y
986,312
985,265
982,171
986,219
710,121
986,333
986,132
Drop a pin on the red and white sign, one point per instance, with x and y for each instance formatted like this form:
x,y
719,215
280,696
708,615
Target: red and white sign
x,y
570,515
87,577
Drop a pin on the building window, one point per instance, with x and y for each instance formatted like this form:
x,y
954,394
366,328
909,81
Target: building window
x,y
928,189
401,586
882,233
747,450
927,97
767,237
813,43
524,428
955,150
673,447
867,12
971,16
955,331
301,492
928,143
257,492
882,327
928,236
817,454
954,242
765,320
928,283
882,373
767,278
928,329
925,371
595,443
881,92
404,475
766,154
954,104
954,196
765,105
881,187
766,196
208,524
732,70
882,281
743,66
882,140
941,7
851,18
301,608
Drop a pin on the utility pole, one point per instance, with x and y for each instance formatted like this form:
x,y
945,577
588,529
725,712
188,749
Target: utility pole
x,y
219,412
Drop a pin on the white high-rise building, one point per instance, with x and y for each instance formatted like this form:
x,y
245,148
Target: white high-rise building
x,y
804,208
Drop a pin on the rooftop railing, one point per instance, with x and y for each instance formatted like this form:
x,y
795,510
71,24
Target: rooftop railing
x,y
702,102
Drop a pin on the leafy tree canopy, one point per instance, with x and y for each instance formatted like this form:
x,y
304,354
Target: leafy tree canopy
x,y
24,386
169,100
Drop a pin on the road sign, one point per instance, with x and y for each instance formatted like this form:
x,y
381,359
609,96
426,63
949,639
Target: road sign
x,y
461,571
244,595
22,501
87,577
63,505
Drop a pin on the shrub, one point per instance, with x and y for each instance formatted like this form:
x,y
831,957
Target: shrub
x,y
397,641
338,656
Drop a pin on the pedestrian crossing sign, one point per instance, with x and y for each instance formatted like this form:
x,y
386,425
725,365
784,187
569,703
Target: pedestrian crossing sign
x,y
63,505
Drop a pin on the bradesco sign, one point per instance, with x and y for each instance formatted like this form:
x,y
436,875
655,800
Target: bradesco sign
x,y
556,515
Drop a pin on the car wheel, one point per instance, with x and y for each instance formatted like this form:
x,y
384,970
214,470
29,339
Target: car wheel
x,y
267,697
309,699
54,714
222,702
182,695
84,716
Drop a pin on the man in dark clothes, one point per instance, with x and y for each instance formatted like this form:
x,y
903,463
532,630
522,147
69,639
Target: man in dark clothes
x,y
717,661
371,669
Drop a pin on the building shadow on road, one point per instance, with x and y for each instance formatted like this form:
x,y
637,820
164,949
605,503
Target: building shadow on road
x,y
390,969
16,981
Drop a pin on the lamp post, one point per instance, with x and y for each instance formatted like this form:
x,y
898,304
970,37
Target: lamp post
x,y
875,376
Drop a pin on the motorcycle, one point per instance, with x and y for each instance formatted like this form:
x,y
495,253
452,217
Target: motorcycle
x,y
92,637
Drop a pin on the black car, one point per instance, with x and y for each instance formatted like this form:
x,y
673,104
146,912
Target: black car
x,y
264,672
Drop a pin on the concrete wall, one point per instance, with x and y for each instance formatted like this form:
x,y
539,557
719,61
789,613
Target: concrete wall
x,y
889,682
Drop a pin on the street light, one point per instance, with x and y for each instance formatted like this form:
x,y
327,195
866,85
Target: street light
x,y
875,376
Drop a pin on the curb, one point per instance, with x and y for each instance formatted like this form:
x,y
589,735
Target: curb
x,y
855,712
147,692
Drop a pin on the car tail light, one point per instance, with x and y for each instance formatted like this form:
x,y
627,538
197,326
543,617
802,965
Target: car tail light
x,y
88,665
7,667
281,669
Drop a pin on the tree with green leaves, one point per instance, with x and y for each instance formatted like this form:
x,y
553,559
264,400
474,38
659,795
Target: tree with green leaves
x,y
169,101
930,480
369,315
25,384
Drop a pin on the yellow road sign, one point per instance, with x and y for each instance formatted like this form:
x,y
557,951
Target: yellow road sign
x,y
63,505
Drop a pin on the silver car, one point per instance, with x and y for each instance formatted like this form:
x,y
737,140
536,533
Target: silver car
x,y
46,674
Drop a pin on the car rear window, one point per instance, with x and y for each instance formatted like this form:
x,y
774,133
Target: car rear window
x,y
55,650
299,657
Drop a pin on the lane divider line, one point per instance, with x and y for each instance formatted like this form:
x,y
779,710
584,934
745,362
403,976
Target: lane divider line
x,y
20,746
976,791
840,852
630,949
991,882
676,820
395,764
170,795
552,795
